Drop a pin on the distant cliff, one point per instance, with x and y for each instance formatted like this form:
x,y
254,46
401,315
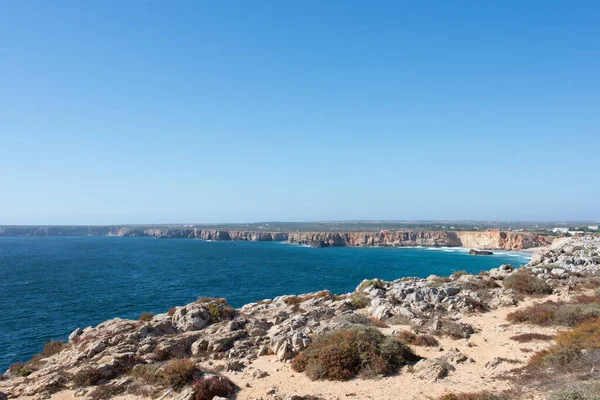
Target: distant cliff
x,y
160,233
479,240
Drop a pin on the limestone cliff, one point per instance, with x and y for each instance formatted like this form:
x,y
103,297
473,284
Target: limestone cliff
x,y
479,240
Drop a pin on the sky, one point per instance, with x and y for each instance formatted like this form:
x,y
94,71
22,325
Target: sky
x,y
115,112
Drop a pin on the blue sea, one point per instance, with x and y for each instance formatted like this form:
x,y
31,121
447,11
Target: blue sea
x,y
51,285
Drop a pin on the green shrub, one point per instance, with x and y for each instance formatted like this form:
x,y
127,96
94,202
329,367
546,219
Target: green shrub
x,y
346,353
20,369
208,388
147,373
527,283
359,300
580,391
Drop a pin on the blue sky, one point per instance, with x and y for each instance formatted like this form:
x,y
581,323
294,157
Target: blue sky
x,y
156,112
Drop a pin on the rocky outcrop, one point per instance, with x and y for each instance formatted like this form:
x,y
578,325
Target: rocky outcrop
x,y
578,255
475,252
480,240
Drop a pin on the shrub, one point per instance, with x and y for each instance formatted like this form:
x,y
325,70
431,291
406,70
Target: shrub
x,y
474,396
359,300
456,330
398,320
556,313
569,345
147,373
146,316
52,348
324,294
86,377
580,391
345,353
378,322
417,340
527,283
171,311
104,392
20,369
208,388
218,308
530,337
178,372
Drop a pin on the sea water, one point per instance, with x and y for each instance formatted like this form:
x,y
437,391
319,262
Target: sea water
x,y
51,285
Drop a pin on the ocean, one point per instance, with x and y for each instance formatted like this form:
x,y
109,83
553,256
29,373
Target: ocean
x,y
51,285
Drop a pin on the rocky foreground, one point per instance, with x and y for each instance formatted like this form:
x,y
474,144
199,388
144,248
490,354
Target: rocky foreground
x,y
429,337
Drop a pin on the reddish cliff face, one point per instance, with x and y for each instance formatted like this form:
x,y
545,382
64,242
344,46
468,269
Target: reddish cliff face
x,y
480,240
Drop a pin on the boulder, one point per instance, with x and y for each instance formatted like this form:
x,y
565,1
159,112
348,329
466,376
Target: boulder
x,y
192,317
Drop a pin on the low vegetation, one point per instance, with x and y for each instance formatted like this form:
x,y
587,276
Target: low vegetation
x,y
416,339
219,308
359,300
210,387
19,369
297,300
552,313
87,377
146,316
104,392
345,353
371,283
530,337
178,372
474,396
525,282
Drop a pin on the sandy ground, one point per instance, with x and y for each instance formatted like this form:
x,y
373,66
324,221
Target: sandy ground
x,y
492,340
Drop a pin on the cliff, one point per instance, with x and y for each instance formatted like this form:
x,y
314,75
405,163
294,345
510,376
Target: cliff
x,y
480,240
383,239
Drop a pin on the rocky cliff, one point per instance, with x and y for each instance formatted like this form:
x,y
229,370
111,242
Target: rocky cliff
x,y
480,240
160,233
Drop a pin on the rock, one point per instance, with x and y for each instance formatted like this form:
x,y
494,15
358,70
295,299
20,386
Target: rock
x,y
3,396
480,252
501,272
191,317
432,370
259,374
75,334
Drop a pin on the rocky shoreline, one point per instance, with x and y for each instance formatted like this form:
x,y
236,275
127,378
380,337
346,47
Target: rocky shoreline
x,y
118,355
480,240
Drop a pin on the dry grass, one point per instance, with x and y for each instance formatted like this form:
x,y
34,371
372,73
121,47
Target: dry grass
x,y
378,322
530,337
417,340
146,317
558,313
297,300
474,396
